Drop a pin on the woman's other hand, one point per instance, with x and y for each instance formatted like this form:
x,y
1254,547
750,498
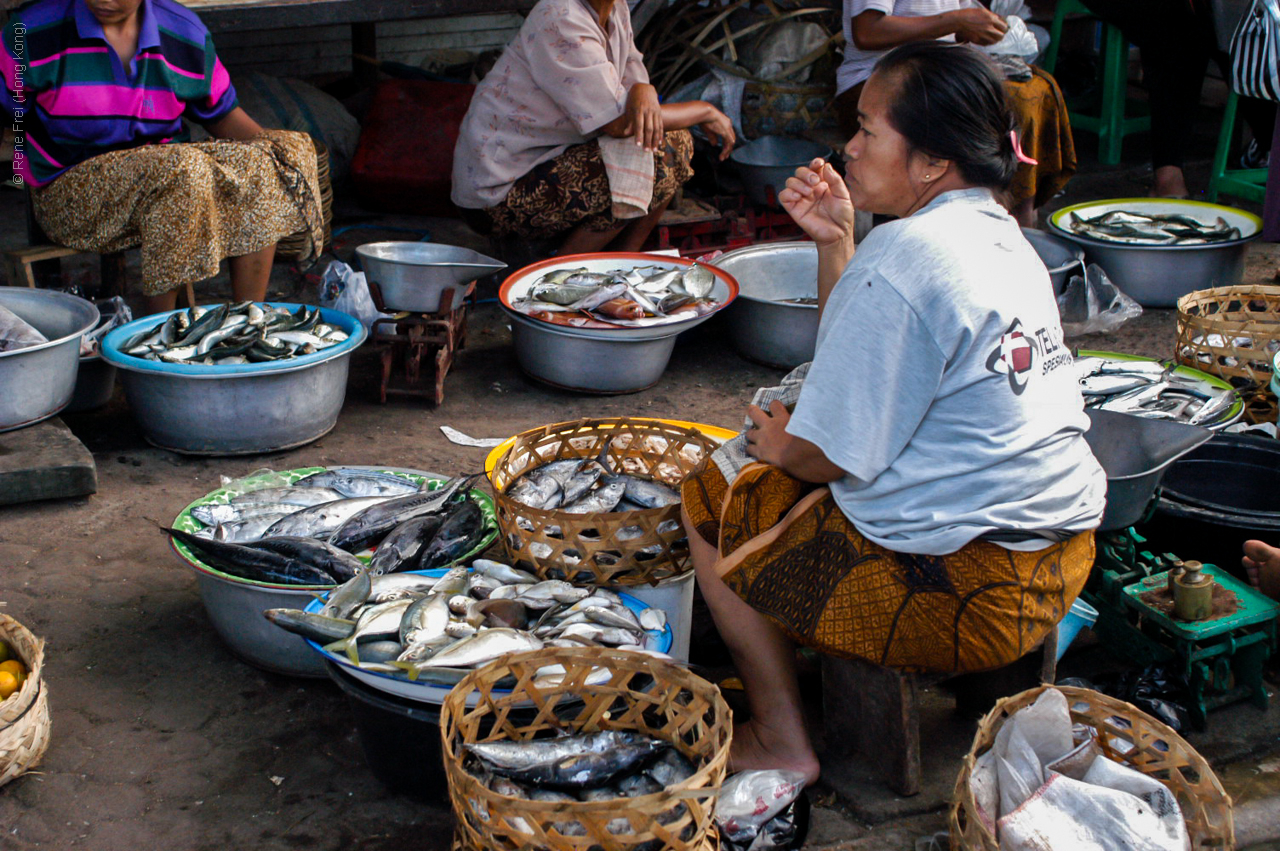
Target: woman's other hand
x,y
978,26
768,441
719,130
644,117
818,200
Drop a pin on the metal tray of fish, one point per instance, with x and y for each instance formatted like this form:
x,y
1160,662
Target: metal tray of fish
x,y
650,295
1145,387
398,682
187,521
1156,223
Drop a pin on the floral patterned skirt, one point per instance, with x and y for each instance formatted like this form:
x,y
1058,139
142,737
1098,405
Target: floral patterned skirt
x,y
188,205
572,189
791,554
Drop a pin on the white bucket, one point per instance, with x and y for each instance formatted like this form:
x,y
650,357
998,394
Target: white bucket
x,y
675,597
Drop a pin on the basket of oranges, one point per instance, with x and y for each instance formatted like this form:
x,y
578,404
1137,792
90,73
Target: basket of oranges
x,y
24,700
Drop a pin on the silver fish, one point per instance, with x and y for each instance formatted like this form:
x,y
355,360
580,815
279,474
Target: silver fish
x,y
600,501
382,619
356,483
582,761
393,586
319,521
301,497
348,596
504,573
483,647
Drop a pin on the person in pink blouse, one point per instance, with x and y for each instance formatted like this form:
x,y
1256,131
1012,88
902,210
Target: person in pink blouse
x,y
541,151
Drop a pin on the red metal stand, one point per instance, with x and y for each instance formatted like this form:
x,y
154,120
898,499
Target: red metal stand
x,y
417,349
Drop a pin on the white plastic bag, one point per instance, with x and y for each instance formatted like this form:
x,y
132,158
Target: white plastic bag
x,y
1017,41
749,799
344,289
1093,304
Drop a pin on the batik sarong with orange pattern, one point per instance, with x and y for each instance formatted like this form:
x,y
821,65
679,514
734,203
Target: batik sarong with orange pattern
x,y
791,554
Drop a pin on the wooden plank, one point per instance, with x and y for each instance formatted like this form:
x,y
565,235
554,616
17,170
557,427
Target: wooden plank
x,y
44,461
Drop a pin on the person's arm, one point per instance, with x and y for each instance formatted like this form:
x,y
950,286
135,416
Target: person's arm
x,y
770,442
818,200
235,125
647,120
874,30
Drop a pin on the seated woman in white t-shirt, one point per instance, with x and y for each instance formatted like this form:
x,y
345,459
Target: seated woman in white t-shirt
x,y
873,27
929,505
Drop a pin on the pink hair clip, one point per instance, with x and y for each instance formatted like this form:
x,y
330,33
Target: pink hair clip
x,y
1017,150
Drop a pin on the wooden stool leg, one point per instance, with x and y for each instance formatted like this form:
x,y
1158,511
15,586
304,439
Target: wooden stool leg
x,y
870,713
18,272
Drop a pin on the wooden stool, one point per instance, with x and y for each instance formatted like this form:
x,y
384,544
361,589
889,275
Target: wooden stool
x,y
19,263
869,711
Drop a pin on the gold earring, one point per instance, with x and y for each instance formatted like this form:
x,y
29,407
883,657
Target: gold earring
x,y
926,177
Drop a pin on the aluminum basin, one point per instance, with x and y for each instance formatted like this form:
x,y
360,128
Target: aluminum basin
x,y
763,327
765,164
413,276
586,364
1158,275
37,382
1061,257
240,409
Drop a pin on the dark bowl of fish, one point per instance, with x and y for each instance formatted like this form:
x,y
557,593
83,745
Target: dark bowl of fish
x,y
40,333
1159,249
236,587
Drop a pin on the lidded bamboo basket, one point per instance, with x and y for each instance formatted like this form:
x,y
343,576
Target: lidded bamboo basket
x,y
1234,332
24,715
618,548
1125,734
644,694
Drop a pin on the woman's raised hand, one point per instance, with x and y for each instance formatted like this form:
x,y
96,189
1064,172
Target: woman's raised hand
x,y
817,199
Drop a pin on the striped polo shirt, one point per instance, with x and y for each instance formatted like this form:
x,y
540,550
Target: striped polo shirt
x,y
71,98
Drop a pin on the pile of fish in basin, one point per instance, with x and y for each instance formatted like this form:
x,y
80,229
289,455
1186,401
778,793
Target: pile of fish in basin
x,y
235,378
416,634
1144,387
276,539
1158,249
607,322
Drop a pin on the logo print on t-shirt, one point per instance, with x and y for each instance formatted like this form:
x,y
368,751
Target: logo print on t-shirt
x,y
1014,356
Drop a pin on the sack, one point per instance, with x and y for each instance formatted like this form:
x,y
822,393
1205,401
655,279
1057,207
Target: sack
x,y
1255,52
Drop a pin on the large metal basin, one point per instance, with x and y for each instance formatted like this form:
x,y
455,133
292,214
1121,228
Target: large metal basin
x,y
37,382
240,409
763,326
1061,257
413,276
1158,275
586,364
1134,453
765,164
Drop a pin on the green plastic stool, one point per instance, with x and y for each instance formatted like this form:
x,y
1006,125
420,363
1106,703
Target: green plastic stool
x,y
1247,183
1109,124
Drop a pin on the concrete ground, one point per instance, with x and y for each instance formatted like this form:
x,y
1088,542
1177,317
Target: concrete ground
x,y
163,738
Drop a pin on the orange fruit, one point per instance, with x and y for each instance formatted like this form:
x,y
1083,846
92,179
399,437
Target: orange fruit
x,y
8,684
15,669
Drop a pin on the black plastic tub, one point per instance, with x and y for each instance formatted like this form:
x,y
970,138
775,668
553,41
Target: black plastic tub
x,y
401,739
1217,497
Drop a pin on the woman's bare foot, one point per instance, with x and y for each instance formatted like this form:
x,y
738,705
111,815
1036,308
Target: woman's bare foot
x,y
1262,562
756,747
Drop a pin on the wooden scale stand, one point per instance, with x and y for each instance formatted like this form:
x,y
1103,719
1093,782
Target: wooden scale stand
x,y
417,349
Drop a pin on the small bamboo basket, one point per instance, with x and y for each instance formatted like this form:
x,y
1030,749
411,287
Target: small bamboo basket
x,y
292,246
786,109
619,548
24,715
645,694
1125,734
1234,332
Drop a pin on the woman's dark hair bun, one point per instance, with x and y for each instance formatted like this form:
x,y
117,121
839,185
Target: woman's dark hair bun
x,y
950,102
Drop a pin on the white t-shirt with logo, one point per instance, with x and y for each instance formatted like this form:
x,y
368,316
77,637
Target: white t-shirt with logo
x,y
858,64
942,386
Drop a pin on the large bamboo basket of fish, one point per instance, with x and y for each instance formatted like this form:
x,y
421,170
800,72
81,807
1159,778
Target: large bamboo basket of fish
x,y
616,548
292,246
1125,734
643,696
1234,333
24,715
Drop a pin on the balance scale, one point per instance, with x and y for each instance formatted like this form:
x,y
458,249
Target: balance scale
x,y
417,349
1222,658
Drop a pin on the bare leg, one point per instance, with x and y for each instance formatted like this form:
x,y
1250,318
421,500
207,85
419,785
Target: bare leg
x,y
633,236
162,303
1262,562
582,241
775,737
250,274
1170,182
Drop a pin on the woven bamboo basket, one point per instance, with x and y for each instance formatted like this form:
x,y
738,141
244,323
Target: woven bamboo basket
x,y
292,246
620,548
24,716
1125,734
1233,332
645,694
781,109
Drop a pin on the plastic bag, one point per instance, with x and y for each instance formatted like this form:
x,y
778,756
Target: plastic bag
x,y
114,313
259,479
344,289
1011,9
1092,304
756,810
1017,41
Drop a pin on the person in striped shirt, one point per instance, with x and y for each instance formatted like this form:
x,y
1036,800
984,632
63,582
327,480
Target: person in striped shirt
x,y
98,92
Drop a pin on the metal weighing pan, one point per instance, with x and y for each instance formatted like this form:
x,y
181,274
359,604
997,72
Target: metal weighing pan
x,y
413,275
36,382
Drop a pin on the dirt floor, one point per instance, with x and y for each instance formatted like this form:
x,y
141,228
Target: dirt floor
x,y
163,738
